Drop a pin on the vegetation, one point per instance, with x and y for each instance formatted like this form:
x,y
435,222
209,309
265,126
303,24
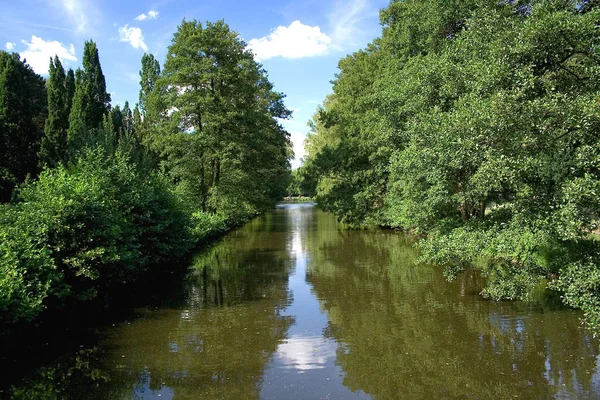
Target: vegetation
x,y
298,186
22,116
475,123
97,195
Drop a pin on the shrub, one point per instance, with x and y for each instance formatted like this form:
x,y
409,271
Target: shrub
x,y
83,230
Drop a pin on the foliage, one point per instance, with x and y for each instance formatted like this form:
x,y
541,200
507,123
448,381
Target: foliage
x,y
82,230
475,123
22,115
54,142
91,101
212,116
103,211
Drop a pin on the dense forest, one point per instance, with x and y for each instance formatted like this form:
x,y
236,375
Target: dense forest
x,y
475,124
95,195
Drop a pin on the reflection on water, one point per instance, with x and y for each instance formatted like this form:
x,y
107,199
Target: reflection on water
x,y
292,307
304,365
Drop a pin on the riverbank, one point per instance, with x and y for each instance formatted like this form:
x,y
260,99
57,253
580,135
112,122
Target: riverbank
x,y
29,345
81,234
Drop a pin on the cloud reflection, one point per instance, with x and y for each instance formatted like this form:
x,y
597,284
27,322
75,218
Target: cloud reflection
x,y
306,353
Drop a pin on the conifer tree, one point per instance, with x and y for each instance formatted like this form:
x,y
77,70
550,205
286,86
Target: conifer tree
x,y
22,115
99,99
70,89
90,101
77,117
117,118
149,74
127,118
137,118
54,142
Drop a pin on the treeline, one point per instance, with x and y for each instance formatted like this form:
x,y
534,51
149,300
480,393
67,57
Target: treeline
x,y
95,195
476,123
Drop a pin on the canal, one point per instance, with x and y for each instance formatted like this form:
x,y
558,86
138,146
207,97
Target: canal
x,y
291,306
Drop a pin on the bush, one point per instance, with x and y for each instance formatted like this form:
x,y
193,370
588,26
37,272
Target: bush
x,y
83,230
207,225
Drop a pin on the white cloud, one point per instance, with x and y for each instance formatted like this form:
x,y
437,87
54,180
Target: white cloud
x,y
9,46
294,41
39,52
152,14
134,36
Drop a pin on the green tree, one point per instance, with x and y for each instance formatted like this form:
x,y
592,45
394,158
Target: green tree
x,y
78,123
127,118
54,142
91,102
23,111
97,96
475,123
117,118
70,89
218,133
149,73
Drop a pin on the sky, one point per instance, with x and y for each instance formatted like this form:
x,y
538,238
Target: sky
x,y
299,43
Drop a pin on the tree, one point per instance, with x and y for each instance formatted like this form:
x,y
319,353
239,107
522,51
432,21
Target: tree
x,y
78,121
219,138
70,89
91,102
23,109
54,142
476,123
149,73
127,118
117,118
97,96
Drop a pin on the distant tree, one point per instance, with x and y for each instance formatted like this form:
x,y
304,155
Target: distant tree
x,y
137,118
23,111
149,73
127,118
117,118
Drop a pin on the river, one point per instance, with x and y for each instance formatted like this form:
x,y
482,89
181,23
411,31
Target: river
x,y
291,306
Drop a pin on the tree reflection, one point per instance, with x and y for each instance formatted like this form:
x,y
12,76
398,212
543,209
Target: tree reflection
x,y
405,332
214,345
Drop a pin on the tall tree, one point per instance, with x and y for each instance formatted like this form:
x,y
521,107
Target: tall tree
x,y
127,118
217,118
149,74
54,142
70,88
78,121
91,101
22,114
98,97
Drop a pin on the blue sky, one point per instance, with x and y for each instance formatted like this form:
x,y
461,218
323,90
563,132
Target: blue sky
x,y
298,42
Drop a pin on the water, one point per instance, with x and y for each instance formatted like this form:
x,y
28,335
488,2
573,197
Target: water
x,y
292,307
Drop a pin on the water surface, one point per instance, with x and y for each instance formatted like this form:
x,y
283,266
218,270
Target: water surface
x,y
290,306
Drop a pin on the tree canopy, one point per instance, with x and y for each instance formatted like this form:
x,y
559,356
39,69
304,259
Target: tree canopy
x,y
215,113
477,124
